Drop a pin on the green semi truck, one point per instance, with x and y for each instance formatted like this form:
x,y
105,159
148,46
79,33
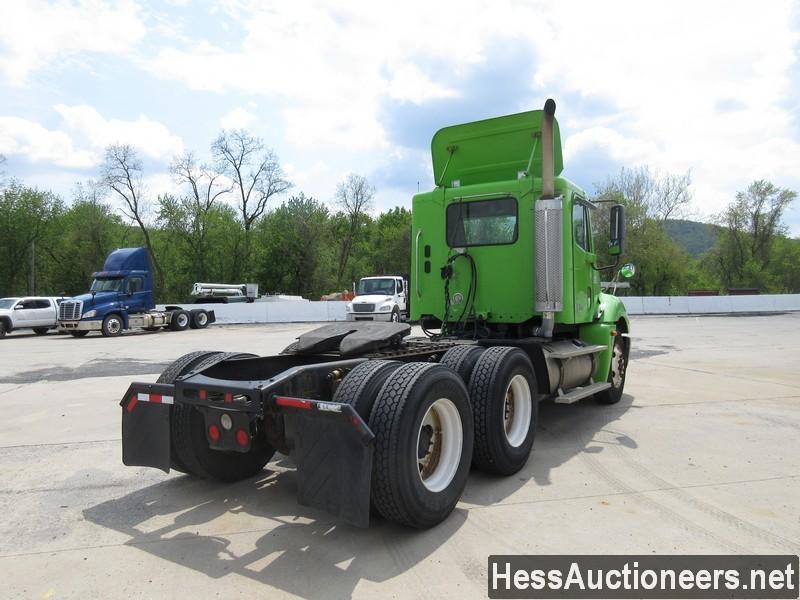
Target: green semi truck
x,y
506,285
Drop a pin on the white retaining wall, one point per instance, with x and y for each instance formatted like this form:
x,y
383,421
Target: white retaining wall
x,y
315,311
698,305
275,312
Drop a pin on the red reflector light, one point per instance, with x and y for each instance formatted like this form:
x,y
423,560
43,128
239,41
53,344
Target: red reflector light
x,y
242,438
228,397
213,433
156,398
202,394
293,402
132,403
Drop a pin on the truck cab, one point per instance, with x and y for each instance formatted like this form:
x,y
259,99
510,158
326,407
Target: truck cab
x,y
381,298
121,297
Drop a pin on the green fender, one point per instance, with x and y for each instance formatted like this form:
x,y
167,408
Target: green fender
x,y
613,318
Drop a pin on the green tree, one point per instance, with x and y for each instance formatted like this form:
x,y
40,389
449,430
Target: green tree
x,y
391,243
26,217
86,233
750,225
295,256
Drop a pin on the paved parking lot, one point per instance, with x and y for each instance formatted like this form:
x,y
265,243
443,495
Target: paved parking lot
x,y
700,456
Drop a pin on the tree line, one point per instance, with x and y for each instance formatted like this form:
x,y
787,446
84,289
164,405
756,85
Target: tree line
x,y
223,222
752,248
237,218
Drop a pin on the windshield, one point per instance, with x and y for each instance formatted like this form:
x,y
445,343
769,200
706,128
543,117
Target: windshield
x,y
7,302
376,286
106,285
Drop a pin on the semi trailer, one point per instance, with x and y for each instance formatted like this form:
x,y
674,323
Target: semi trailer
x,y
505,281
121,297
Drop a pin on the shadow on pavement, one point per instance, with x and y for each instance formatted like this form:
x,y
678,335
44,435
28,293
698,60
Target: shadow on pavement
x,y
564,431
306,552
299,550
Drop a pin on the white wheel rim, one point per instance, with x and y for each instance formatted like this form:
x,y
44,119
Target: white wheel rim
x,y
441,426
202,318
517,410
114,325
182,320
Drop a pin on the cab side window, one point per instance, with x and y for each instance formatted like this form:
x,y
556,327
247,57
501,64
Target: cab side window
x,y
580,223
135,284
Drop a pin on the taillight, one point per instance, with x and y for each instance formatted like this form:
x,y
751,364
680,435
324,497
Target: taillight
x,y
242,438
214,433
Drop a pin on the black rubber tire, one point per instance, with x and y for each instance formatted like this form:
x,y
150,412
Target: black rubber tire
x,y
191,444
199,319
180,320
175,370
613,394
395,318
79,334
112,325
41,330
490,379
462,359
290,349
360,386
2,329
397,489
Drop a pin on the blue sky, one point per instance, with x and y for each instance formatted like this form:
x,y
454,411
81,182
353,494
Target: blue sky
x,y
344,87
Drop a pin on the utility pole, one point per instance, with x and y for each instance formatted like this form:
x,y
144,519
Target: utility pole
x,y
32,274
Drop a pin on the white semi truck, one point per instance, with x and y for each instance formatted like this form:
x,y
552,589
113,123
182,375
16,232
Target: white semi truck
x,y
383,298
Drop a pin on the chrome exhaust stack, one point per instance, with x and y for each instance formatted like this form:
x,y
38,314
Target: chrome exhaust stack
x,y
548,223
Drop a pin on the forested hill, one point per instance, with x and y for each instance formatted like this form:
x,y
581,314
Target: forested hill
x,y
696,238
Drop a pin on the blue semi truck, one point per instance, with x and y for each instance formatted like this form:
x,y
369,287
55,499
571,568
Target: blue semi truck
x,y
121,297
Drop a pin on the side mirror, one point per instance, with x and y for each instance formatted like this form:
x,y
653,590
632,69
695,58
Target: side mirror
x,y
18,307
617,233
628,270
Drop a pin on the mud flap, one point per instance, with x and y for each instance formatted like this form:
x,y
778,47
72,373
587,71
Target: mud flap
x,y
145,427
333,454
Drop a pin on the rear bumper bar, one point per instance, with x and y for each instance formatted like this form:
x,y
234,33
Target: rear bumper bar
x,y
330,443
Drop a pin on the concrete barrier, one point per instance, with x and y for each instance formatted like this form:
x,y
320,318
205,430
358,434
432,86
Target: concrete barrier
x,y
275,312
699,305
297,311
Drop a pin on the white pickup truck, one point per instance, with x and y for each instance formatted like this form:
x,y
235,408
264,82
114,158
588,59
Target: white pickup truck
x,y
379,299
30,312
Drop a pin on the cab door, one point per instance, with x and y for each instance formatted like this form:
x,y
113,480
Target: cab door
x,y
24,313
134,294
42,313
585,282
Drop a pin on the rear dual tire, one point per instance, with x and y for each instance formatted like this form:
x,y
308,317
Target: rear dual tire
x,y
502,389
189,449
422,423
180,320
199,319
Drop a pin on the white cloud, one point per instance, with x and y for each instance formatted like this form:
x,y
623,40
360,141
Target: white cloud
x,y
152,138
333,64
83,136
668,68
238,118
23,137
35,33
